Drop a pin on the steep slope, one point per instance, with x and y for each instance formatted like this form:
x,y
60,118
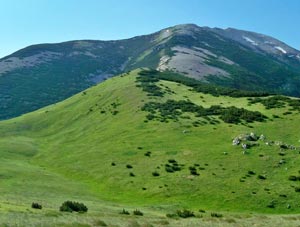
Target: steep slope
x,y
140,140
53,72
230,57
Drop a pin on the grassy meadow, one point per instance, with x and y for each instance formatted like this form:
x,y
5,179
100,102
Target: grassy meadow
x,y
98,148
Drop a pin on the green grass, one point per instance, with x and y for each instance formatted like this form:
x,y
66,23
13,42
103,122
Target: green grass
x,y
65,152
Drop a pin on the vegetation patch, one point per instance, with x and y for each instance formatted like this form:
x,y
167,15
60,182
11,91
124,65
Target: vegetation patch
x,y
70,206
173,166
147,81
126,212
173,110
277,101
138,212
185,213
36,206
196,85
216,215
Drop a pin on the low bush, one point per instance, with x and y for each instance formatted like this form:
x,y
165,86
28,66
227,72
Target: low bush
x,y
169,169
250,172
271,205
293,178
216,215
36,206
70,206
155,174
185,213
148,153
138,212
126,212
261,177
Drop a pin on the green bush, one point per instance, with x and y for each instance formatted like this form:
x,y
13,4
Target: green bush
x,y
251,172
155,174
185,213
293,178
124,212
169,169
216,215
36,206
138,212
261,177
70,206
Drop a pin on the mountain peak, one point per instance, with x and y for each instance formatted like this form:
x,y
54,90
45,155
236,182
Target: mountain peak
x,y
215,55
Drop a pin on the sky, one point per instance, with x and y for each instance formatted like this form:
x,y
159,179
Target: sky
x,y
28,22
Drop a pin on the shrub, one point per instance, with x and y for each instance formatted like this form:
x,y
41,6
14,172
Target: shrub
x,y
36,206
292,178
128,166
138,212
131,174
193,171
250,172
271,205
155,174
126,212
148,153
176,168
115,112
283,146
70,206
185,213
216,215
297,189
169,169
261,177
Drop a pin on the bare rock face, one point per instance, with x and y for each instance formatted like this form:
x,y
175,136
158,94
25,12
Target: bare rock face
x,y
192,62
13,63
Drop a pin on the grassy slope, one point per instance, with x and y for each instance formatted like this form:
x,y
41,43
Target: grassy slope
x,y
65,151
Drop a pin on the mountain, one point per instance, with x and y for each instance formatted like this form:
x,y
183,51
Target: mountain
x,y
43,74
154,141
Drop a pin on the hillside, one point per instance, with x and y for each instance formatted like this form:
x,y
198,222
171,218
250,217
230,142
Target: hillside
x,y
227,57
138,140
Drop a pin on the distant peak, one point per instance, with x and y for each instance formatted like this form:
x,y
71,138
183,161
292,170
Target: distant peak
x,y
185,27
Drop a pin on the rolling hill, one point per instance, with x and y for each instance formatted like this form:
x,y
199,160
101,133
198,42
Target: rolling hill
x,y
154,141
227,57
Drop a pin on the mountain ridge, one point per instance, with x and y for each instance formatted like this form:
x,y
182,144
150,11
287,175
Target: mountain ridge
x,y
54,72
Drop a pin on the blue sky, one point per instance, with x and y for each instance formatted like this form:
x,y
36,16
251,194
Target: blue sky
x,y
26,22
